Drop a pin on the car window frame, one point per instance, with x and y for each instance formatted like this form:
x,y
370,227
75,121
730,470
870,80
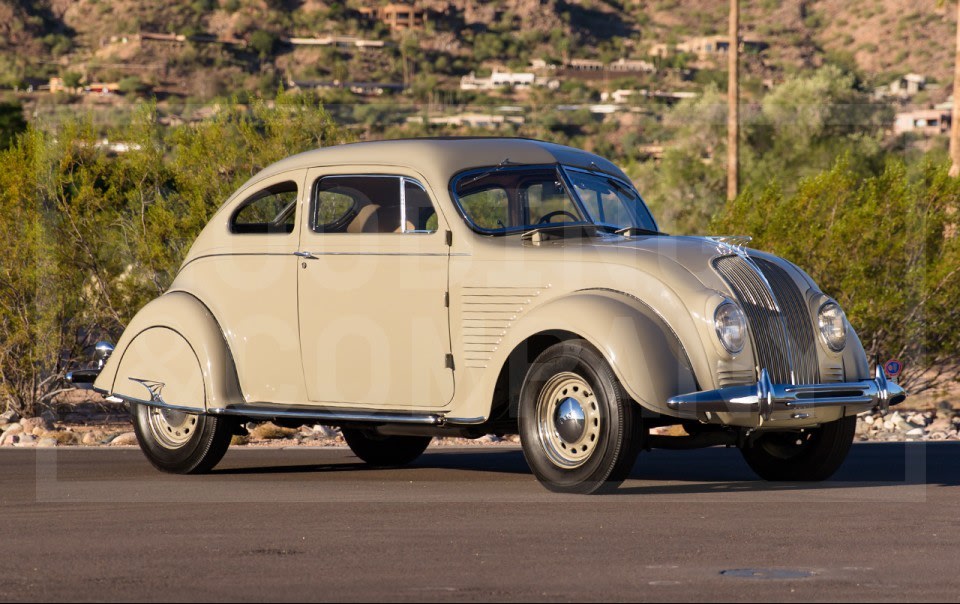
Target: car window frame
x,y
629,186
402,180
484,171
257,196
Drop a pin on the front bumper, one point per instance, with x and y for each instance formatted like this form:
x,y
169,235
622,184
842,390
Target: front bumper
x,y
765,400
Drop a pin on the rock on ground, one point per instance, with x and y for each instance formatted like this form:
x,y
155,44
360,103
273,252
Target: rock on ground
x,y
125,439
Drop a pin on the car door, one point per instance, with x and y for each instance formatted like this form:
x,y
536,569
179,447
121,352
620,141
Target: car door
x,y
244,270
372,292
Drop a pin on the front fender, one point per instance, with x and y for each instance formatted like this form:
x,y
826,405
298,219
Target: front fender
x,y
643,351
173,350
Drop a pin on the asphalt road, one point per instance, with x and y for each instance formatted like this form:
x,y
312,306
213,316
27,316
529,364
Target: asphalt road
x,y
473,524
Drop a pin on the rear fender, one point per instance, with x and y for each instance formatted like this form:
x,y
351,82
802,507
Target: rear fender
x,y
172,352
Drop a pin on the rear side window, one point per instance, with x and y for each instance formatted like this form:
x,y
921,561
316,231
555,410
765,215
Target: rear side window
x,y
269,211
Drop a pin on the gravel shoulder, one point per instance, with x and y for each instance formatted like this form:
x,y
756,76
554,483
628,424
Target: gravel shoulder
x,y
98,426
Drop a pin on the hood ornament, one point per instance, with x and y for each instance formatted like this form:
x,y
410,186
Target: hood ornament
x,y
734,244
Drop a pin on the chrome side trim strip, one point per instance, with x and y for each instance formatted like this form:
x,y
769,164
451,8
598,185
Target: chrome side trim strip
x,y
160,404
465,421
332,415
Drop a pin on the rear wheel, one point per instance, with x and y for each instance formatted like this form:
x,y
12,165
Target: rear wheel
x,y
811,454
579,429
385,451
180,442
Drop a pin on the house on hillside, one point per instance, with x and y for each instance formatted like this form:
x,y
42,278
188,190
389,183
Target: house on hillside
x,y
397,16
929,122
632,65
708,47
506,79
585,65
908,85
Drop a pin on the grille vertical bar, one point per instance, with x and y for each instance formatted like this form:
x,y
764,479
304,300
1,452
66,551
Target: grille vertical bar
x,y
806,367
780,326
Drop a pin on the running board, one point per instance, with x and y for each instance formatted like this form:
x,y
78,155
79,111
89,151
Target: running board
x,y
264,411
326,415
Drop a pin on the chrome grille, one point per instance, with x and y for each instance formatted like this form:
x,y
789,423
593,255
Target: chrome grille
x,y
796,315
780,327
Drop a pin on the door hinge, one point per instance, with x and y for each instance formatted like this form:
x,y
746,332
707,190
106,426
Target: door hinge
x,y
446,299
449,361
449,238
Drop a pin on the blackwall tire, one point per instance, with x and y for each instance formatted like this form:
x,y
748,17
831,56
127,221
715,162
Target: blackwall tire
x,y
802,456
181,443
385,451
579,430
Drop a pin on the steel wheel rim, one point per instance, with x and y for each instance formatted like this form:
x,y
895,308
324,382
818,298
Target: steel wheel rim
x,y
171,429
558,390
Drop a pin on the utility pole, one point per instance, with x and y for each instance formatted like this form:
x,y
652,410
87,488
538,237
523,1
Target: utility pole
x,y
955,115
733,103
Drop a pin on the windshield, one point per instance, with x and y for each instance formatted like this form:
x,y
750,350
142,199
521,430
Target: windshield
x,y
504,200
611,202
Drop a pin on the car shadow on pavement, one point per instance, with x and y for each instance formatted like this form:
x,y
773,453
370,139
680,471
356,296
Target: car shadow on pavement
x,y
712,470
294,469
868,465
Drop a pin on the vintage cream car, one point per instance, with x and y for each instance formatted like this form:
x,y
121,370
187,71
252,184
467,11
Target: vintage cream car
x,y
404,290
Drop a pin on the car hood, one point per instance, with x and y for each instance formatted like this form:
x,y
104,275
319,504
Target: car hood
x,y
658,254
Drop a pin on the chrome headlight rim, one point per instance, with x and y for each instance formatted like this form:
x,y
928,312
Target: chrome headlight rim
x,y
736,346
834,345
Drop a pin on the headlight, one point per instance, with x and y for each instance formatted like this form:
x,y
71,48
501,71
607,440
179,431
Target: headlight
x,y
833,326
731,326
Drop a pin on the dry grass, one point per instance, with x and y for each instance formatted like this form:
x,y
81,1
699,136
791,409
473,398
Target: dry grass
x,y
270,431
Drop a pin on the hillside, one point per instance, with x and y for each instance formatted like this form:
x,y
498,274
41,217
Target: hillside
x,y
111,53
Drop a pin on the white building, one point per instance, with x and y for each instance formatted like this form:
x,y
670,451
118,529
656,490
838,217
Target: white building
x,y
505,79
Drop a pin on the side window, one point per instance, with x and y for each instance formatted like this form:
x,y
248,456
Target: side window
x,y
371,204
420,215
547,201
270,211
488,208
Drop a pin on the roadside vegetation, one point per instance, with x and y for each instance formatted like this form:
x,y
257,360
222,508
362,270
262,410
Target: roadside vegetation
x,y
89,235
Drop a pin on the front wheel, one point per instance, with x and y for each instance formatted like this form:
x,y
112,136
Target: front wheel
x,y
578,428
811,454
180,442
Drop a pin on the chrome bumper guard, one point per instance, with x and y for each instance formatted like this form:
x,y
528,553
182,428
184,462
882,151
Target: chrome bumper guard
x,y
83,378
764,398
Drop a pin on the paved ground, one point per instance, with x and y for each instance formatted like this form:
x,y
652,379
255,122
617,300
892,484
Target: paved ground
x,y
472,524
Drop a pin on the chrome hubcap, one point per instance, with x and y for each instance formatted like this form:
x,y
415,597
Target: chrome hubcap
x,y
172,429
568,420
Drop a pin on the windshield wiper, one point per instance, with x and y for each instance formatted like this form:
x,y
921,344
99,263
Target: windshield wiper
x,y
567,228
636,230
506,162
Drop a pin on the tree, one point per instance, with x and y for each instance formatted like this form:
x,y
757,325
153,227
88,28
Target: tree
x,y
263,42
71,80
11,123
87,238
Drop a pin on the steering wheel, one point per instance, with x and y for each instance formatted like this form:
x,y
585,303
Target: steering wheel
x,y
546,217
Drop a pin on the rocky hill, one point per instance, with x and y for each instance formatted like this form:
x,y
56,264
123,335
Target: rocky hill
x,y
207,48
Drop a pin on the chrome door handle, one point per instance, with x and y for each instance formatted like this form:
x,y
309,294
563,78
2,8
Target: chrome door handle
x,y
305,255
